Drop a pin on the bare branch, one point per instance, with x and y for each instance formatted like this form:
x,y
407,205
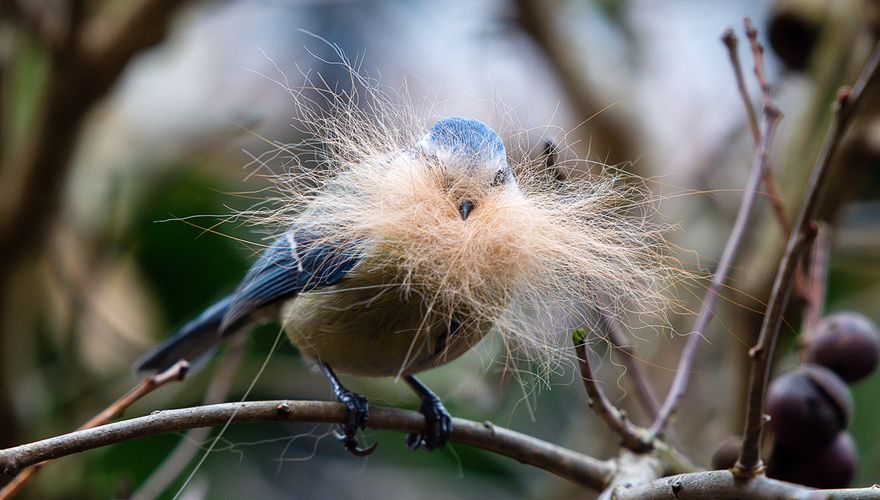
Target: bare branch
x,y
644,393
149,384
815,303
722,484
847,105
581,469
731,42
758,56
800,286
189,446
565,463
685,365
632,469
632,437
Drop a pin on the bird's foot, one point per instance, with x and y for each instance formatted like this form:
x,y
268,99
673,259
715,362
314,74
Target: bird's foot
x,y
358,413
438,426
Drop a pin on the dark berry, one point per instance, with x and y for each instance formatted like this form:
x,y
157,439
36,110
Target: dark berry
x,y
808,407
726,455
793,30
848,343
831,467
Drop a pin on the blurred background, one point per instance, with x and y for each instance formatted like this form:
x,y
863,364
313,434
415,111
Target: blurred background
x,y
118,118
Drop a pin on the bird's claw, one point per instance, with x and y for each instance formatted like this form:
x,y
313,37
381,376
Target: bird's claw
x,y
351,445
358,414
438,427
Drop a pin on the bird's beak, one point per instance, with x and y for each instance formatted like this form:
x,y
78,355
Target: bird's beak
x,y
464,209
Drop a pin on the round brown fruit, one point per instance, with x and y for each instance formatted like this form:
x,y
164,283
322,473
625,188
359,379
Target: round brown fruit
x,y
808,407
794,29
727,454
831,467
848,343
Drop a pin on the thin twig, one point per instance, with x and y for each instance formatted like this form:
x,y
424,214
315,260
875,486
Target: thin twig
x,y
815,303
775,196
685,365
148,385
632,437
847,105
191,443
644,393
800,285
758,56
576,467
731,42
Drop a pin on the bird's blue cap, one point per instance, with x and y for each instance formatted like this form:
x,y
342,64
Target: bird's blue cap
x,y
467,137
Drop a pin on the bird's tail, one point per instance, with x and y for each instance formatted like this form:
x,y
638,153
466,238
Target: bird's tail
x,y
193,342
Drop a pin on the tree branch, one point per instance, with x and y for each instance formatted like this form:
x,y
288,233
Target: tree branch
x,y
685,365
644,393
148,385
576,467
632,468
632,437
722,484
818,281
731,42
760,171
847,105
185,451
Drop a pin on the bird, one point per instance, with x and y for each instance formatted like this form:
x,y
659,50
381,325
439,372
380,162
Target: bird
x,y
358,304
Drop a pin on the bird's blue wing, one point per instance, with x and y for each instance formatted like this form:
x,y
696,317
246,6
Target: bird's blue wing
x,y
296,262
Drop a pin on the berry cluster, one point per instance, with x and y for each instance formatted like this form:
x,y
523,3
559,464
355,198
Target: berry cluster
x,y
810,406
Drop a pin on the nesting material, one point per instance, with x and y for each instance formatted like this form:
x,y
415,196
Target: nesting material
x,y
532,258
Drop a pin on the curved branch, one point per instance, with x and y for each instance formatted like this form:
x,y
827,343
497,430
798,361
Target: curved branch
x,y
176,461
576,467
173,374
644,393
632,437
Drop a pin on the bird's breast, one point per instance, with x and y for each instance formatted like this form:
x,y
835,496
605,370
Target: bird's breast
x,y
367,325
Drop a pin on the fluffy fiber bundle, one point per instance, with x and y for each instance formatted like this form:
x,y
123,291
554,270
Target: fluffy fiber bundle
x,y
533,260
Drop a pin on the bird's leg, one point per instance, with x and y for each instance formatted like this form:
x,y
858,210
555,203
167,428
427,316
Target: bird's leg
x,y
438,422
358,411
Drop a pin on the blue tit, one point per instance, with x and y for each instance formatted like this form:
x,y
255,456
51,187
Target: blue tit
x,y
341,308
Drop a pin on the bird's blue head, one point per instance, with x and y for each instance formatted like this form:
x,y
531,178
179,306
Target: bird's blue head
x,y
470,153
467,138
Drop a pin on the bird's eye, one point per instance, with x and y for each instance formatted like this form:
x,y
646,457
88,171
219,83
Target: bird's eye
x,y
500,176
